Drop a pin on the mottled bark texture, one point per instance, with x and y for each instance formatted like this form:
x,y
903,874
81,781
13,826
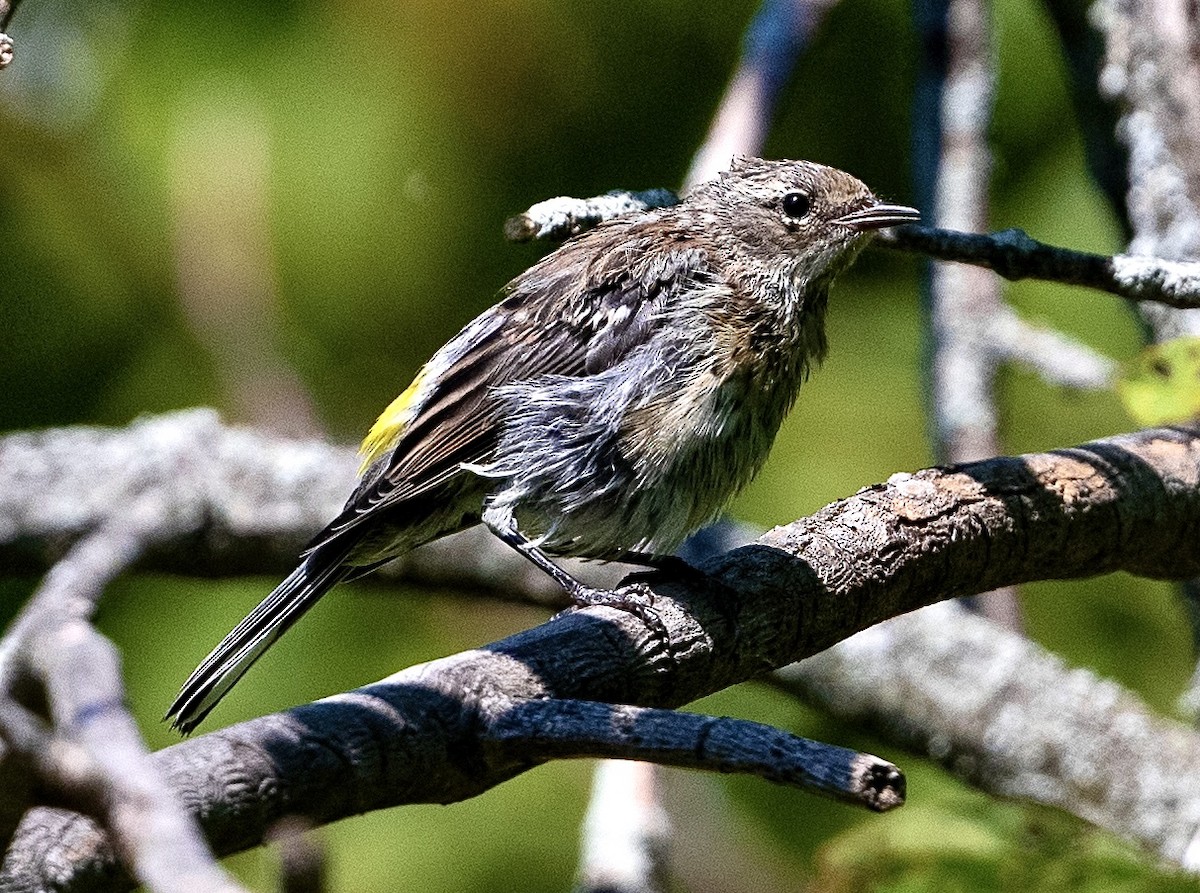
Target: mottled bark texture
x,y
1012,719
431,733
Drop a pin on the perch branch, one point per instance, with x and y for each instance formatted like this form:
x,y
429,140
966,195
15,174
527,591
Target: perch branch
x,y
1010,253
1125,503
1014,255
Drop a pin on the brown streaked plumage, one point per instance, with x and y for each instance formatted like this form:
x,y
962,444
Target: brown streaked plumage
x,y
619,394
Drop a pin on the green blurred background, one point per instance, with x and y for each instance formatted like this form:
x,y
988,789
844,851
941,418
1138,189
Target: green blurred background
x,y
281,209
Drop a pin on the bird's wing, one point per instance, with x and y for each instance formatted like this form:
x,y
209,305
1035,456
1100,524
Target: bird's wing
x,y
577,312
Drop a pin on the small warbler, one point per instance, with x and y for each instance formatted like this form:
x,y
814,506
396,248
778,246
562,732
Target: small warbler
x,y
615,399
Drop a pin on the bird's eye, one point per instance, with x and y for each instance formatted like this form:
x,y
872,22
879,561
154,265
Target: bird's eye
x,y
796,205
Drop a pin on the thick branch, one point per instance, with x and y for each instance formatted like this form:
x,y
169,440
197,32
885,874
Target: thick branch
x,y
1126,503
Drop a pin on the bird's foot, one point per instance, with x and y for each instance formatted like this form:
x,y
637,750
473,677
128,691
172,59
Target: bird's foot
x,y
632,598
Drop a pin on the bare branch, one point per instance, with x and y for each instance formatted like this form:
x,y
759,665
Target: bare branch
x,y
1060,360
1013,719
231,501
551,729
1011,253
1014,255
94,740
1130,503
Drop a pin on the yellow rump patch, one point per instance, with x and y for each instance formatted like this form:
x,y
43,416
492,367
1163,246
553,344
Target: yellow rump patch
x,y
390,425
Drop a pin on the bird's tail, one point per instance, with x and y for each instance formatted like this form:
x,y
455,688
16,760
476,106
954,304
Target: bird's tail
x,y
247,641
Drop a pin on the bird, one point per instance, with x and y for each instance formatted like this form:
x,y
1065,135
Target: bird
x,y
620,392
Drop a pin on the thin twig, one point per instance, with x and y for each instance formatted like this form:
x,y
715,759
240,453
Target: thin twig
x,y
1014,255
53,642
1061,361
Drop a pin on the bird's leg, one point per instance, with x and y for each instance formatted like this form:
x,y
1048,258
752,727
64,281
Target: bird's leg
x,y
634,599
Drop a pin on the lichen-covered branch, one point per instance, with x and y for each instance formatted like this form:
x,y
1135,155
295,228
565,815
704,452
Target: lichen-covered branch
x,y
1151,76
560,218
53,646
236,501
1015,720
1014,255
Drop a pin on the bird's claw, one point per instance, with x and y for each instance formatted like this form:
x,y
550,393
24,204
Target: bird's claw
x,y
634,598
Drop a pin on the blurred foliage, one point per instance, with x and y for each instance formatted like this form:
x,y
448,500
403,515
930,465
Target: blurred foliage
x,y
361,159
1161,385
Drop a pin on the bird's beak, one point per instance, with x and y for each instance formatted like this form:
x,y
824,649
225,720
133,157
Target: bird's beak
x,y
878,216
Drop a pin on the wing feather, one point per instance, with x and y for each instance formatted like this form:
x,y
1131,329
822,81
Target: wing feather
x,y
551,321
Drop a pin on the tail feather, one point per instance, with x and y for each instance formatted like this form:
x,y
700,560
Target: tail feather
x,y
238,651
